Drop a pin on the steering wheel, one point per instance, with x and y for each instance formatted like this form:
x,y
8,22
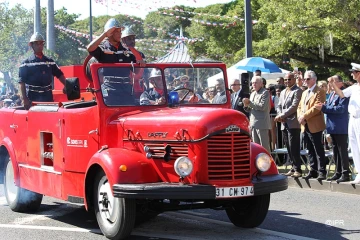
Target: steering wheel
x,y
192,99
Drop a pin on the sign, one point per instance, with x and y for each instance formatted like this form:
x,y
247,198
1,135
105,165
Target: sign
x,y
234,192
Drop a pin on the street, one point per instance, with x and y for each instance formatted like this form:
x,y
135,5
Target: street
x,y
293,214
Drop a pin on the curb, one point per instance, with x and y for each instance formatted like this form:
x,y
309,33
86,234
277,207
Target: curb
x,y
314,184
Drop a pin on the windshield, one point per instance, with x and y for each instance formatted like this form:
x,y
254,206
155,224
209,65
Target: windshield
x,y
151,86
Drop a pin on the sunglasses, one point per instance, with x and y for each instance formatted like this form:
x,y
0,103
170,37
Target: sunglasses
x,y
288,79
307,79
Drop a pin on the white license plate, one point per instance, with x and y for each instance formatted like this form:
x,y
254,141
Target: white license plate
x,y
233,192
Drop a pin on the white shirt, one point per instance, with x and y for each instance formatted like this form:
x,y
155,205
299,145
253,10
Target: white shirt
x,y
354,102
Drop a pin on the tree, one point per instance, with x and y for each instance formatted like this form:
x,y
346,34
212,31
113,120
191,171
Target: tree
x,y
321,34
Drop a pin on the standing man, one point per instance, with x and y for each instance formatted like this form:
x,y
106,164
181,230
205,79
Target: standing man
x,y
337,122
354,111
36,74
116,91
128,38
220,96
287,114
237,96
259,106
312,124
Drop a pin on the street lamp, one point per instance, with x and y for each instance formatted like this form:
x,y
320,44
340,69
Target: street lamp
x,y
90,20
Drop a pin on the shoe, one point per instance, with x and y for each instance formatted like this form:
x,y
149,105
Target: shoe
x,y
344,178
322,176
297,174
333,178
289,173
310,175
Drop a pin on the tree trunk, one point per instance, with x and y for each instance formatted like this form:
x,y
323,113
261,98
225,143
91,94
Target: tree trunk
x,y
7,79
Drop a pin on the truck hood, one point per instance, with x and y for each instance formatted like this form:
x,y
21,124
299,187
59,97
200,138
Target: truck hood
x,y
184,124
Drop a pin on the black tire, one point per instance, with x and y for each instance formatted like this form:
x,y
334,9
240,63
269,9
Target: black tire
x,y
249,212
19,199
115,216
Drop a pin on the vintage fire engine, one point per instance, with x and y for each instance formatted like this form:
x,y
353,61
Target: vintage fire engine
x,y
128,161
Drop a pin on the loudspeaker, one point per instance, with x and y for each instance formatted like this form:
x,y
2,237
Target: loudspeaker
x,y
72,88
245,83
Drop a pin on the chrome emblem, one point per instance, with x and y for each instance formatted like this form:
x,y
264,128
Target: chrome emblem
x,y
157,134
232,128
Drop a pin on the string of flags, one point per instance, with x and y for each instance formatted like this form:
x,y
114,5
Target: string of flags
x,y
203,14
66,32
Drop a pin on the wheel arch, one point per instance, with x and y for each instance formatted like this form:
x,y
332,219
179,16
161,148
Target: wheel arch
x,y
139,170
7,149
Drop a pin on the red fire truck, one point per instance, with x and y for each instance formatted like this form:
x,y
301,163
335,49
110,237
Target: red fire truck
x,y
129,160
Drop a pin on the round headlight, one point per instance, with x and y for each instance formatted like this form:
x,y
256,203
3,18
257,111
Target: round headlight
x,y
183,166
263,162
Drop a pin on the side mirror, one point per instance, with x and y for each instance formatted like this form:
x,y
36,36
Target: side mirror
x,y
72,88
173,98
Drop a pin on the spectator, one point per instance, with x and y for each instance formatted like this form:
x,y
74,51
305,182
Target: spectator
x,y
237,96
36,74
337,122
280,81
220,96
287,114
354,111
313,125
259,107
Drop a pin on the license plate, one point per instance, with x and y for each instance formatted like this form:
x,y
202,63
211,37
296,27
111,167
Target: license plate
x,y
233,192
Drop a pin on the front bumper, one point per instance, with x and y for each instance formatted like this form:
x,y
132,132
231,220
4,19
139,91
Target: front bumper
x,y
262,185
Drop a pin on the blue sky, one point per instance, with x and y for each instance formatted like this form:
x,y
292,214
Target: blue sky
x,y
137,8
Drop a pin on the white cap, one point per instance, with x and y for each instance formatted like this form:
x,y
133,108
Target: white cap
x,y
355,67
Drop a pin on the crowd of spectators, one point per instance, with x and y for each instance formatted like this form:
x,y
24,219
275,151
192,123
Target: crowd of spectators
x,y
9,98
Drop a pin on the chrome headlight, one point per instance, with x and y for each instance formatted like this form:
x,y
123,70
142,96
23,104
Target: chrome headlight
x,y
263,162
183,166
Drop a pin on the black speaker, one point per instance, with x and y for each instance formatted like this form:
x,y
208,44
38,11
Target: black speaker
x,y
245,83
72,88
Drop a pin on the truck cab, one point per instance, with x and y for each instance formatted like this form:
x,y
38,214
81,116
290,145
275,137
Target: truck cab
x,y
128,156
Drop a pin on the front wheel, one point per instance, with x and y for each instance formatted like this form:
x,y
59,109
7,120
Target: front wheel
x,y
249,212
115,216
19,199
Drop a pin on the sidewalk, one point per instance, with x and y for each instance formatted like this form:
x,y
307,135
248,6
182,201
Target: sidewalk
x,y
315,184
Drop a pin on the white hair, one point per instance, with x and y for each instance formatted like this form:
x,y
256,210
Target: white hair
x,y
311,74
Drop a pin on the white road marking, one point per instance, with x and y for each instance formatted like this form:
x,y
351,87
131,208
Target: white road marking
x,y
74,229
56,212
3,201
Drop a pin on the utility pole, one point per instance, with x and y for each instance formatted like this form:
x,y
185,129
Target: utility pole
x,y
90,20
37,18
248,29
50,32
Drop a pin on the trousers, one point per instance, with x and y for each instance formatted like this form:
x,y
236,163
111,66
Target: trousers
x,y
354,141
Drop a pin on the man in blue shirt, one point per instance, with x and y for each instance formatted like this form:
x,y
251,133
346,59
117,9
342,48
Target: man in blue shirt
x,y
36,74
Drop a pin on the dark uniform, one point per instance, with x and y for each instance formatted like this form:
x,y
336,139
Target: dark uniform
x,y
149,95
37,74
117,87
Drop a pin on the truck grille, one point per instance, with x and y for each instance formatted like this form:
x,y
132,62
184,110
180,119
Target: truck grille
x,y
177,149
229,157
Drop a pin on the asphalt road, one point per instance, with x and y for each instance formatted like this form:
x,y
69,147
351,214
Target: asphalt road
x,y
293,214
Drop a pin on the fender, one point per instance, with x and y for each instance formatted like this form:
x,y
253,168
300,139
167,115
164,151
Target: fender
x,y
255,149
7,143
139,168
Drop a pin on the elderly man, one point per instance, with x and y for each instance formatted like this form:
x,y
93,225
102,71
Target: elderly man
x,y
220,96
287,114
353,93
259,106
155,95
337,122
312,123
237,96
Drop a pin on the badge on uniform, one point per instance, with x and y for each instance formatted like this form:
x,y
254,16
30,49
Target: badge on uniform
x,y
126,53
48,64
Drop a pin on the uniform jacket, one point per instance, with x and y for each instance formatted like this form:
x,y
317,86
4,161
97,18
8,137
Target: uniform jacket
x,y
337,117
259,108
313,117
288,105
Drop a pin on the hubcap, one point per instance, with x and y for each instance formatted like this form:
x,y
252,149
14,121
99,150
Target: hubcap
x,y
106,201
11,188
